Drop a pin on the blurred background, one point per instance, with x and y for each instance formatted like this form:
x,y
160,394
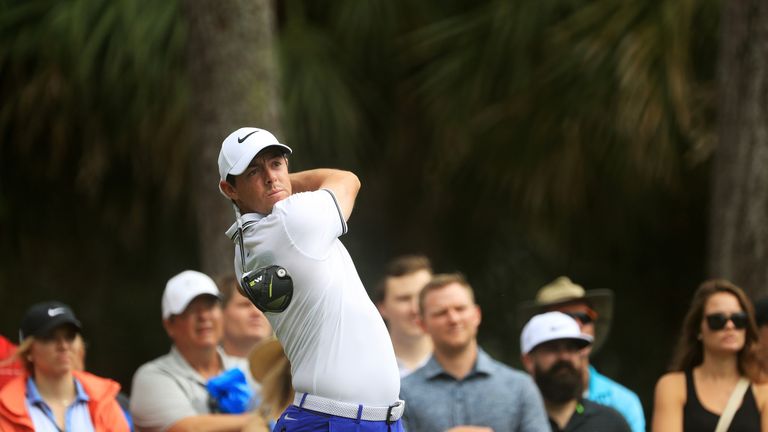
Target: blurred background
x,y
622,143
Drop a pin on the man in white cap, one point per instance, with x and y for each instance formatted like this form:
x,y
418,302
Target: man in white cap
x,y
551,345
292,265
593,311
170,393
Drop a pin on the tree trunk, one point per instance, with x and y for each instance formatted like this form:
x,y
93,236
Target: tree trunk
x,y
738,248
234,83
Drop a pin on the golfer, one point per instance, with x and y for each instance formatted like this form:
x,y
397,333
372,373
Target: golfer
x,y
292,266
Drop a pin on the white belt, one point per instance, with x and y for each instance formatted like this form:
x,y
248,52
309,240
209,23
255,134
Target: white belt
x,y
349,410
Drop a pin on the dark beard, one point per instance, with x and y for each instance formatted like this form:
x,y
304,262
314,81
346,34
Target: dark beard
x,y
560,384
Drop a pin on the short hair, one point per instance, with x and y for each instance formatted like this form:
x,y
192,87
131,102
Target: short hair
x,y
227,287
401,266
440,281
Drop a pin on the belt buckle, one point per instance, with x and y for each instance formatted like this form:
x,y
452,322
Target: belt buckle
x,y
389,412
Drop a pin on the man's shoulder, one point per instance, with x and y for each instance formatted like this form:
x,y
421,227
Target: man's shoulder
x,y
602,384
418,377
602,417
502,371
166,364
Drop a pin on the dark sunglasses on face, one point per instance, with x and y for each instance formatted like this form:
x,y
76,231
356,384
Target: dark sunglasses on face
x,y
583,317
717,321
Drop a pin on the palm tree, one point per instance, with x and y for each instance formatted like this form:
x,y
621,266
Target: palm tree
x,y
233,70
738,237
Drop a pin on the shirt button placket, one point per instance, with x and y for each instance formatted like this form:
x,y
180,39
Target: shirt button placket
x,y
459,406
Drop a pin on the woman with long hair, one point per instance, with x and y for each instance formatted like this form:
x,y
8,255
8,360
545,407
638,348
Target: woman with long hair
x,y
715,353
52,395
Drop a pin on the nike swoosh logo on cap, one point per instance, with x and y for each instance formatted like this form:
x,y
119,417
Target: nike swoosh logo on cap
x,y
240,140
56,311
288,417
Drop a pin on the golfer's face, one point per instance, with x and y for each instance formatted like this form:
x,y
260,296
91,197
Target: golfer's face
x,y
264,183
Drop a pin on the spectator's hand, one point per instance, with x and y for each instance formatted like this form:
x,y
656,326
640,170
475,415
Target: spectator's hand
x,y
470,429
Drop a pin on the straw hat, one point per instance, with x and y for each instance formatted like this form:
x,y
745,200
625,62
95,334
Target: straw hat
x,y
264,356
563,291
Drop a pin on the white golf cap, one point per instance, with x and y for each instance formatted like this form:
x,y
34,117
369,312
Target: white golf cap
x,y
241,146
183,288
551,326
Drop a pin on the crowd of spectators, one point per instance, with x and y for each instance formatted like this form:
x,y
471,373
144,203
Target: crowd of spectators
x,y
226,371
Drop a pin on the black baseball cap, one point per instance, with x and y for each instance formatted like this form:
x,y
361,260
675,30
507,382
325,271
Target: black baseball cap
x,y
43,317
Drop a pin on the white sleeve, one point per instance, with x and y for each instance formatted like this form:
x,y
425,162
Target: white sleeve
x,y
313,220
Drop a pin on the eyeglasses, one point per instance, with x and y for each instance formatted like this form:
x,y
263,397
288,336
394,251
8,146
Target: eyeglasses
x,y
717,321
584,318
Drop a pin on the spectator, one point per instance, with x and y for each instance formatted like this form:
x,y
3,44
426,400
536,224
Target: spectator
x,y
271,368
52,395
291,264
552,344
713,367
244,324
461,387
170,393
397,298
10,366
593,311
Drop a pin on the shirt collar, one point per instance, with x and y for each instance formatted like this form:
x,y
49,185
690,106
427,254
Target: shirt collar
x,y
34,398
483,366
184,366
248,217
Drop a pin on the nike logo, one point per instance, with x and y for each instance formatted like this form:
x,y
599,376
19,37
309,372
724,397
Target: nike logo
x,y
288,417
56,311
240,140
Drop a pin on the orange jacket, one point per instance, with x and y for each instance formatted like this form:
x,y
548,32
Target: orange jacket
x,y
106,414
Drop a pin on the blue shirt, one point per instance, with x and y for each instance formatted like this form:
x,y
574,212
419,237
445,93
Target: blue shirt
x,y
77,417
492,395
606,391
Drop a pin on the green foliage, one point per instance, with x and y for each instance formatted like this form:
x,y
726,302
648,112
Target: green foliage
x,y
89,86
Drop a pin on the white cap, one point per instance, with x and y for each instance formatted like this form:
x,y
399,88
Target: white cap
x,y
241,146
183,288
551,326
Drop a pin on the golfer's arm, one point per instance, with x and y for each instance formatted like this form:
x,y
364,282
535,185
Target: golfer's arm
x,y
344,184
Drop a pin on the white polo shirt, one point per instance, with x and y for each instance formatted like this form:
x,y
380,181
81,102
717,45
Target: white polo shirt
x,y
334,337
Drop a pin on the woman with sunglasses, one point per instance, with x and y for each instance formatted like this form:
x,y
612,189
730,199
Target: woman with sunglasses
x,y
714,353
53,396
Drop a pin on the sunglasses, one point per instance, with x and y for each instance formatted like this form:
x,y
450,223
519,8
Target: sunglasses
x,y
717,321
583,317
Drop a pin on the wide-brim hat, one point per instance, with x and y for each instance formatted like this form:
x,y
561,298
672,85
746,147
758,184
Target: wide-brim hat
x,y
264,356
563,291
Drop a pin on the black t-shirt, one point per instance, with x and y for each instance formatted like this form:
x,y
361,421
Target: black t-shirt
x,y
591,417
698,418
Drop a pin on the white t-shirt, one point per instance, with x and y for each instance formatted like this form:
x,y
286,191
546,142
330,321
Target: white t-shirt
x,y
334,337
